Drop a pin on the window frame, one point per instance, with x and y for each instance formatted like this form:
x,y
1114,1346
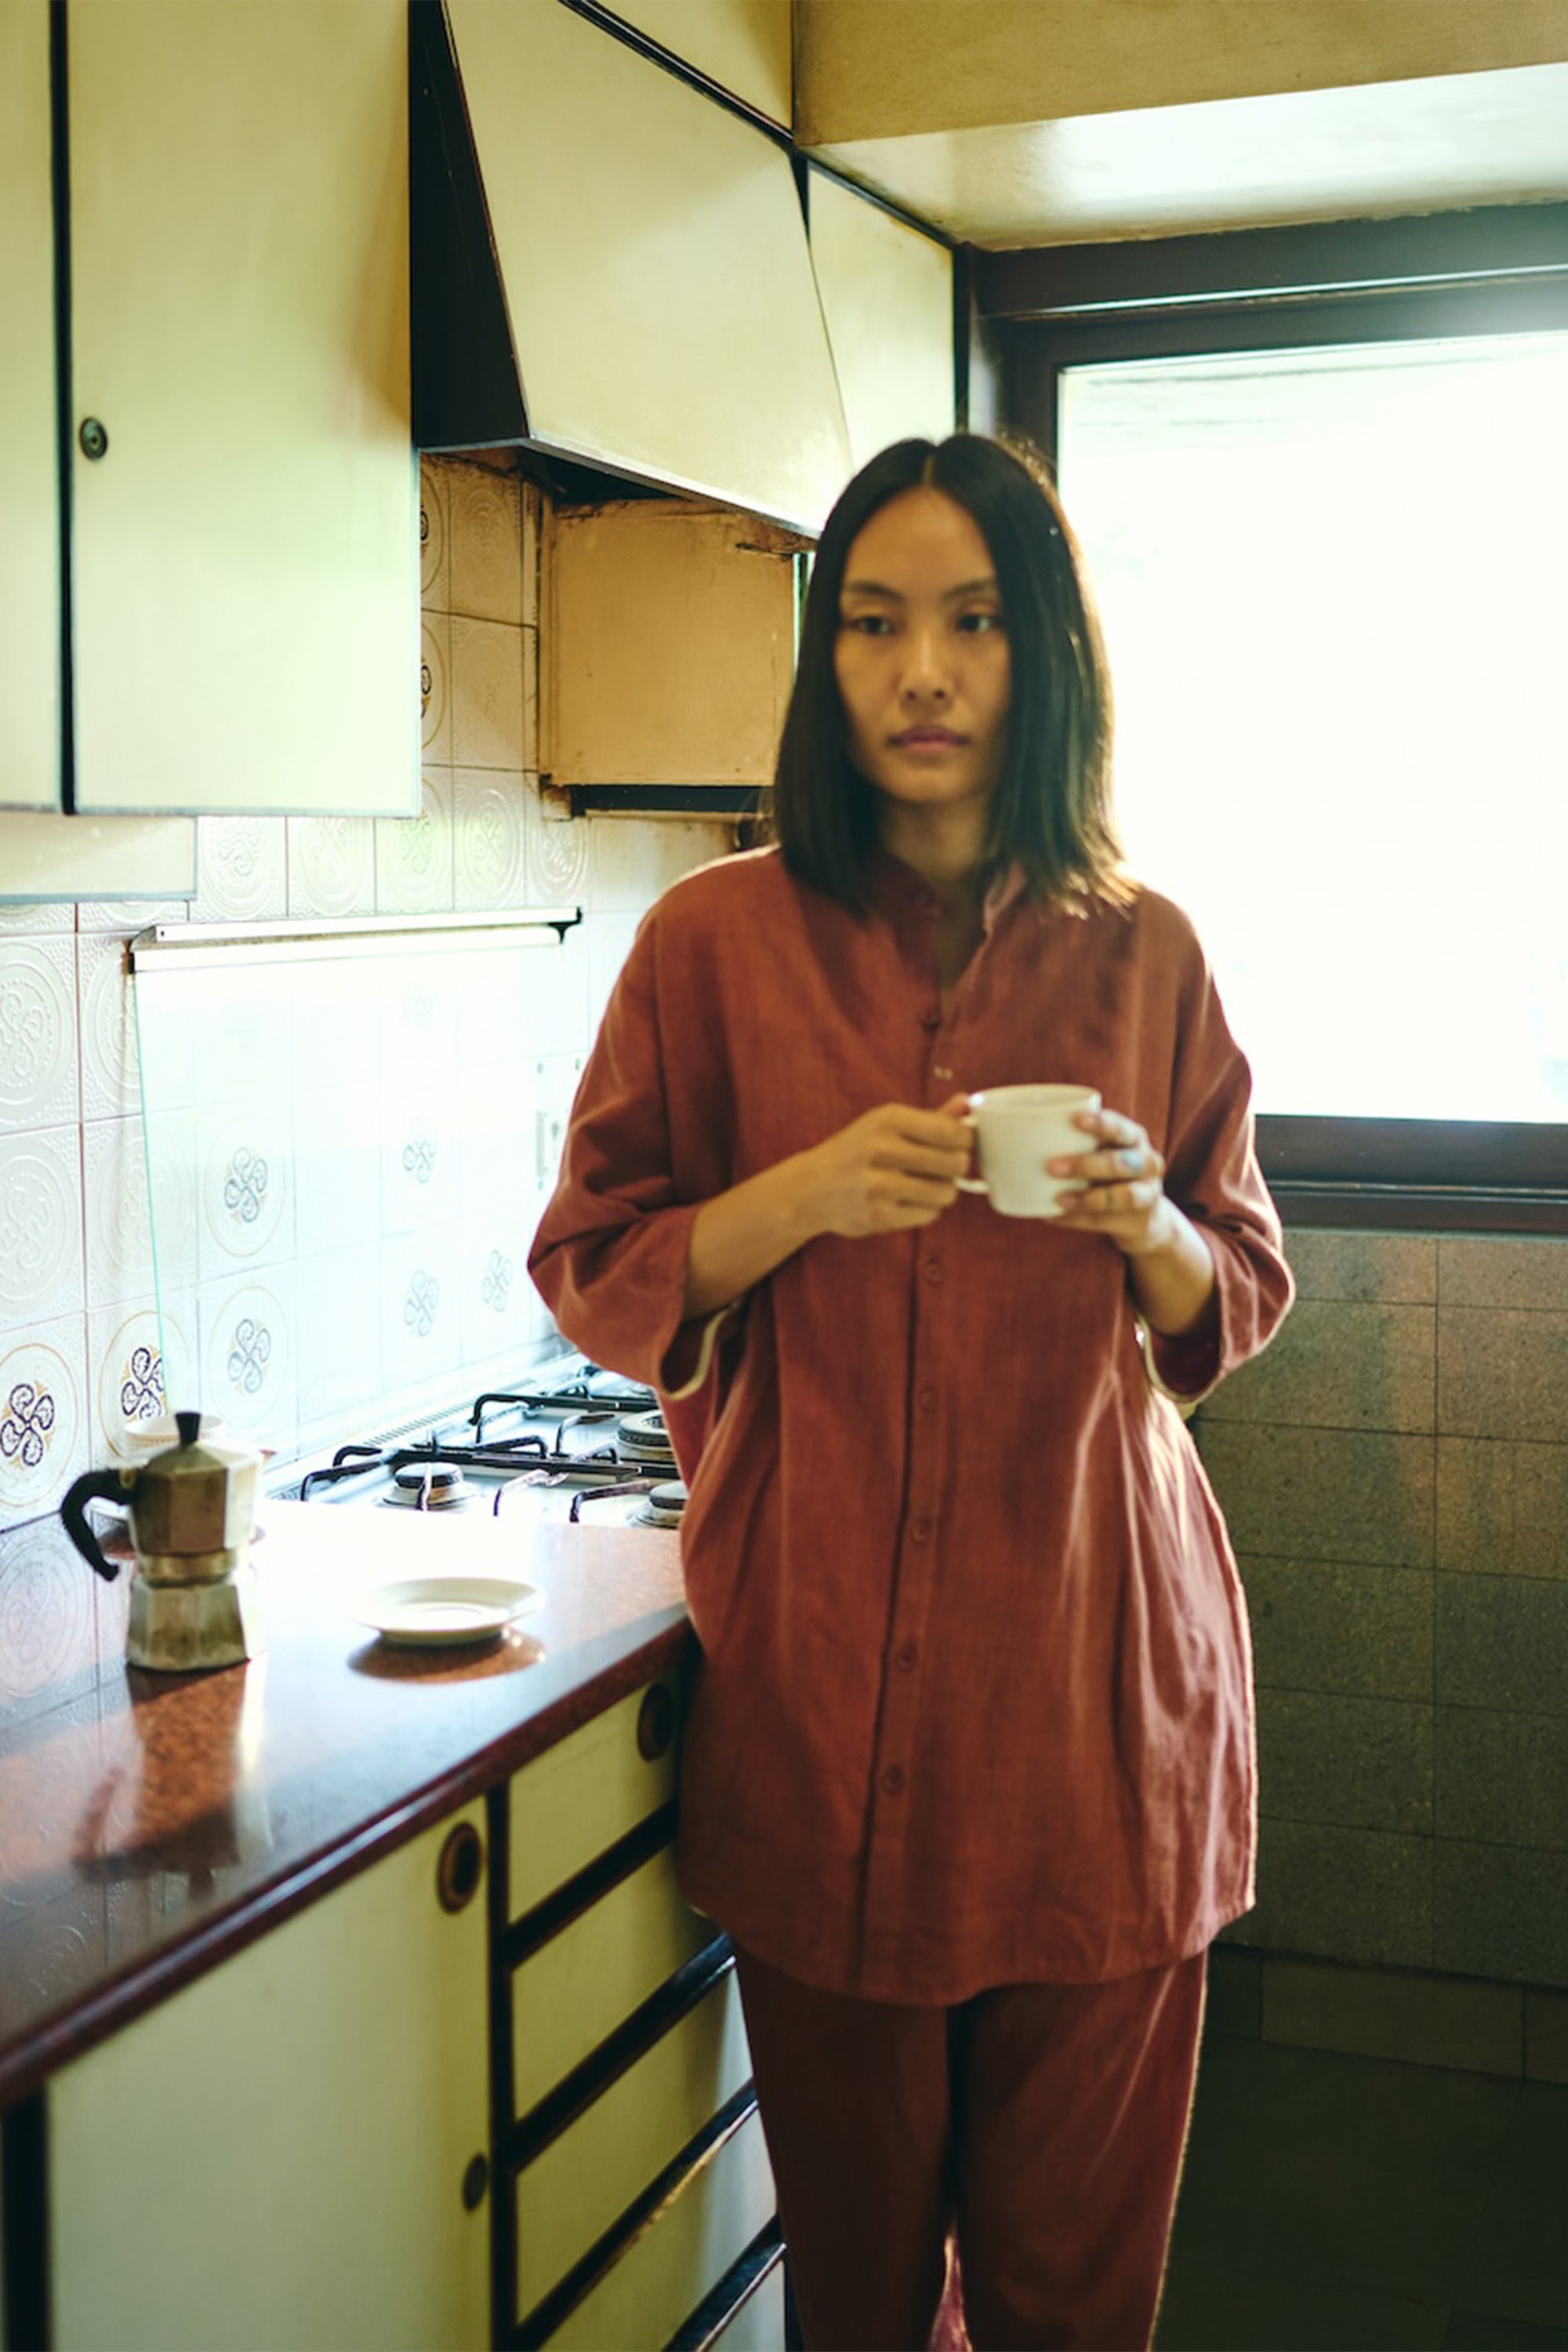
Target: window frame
x,y
1489,271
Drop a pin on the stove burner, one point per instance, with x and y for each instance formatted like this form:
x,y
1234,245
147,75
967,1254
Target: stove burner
x,y
645,1437
428,1487
661,1507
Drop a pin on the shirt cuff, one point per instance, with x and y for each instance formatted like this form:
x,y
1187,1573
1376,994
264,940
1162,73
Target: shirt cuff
x,y
699,1338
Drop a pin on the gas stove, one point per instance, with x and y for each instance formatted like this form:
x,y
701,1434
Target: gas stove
x,y
570,1441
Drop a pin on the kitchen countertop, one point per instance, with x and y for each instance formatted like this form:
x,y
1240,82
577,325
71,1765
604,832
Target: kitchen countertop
x,y
152,1824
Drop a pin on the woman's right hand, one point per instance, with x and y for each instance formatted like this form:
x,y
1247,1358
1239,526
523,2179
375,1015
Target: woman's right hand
x,y
892,1169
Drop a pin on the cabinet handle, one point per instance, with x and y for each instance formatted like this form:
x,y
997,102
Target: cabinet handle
x,y
94,437
476,2181
460,1867
656,1722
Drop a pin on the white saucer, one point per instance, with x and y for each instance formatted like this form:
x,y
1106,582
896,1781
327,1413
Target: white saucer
x,y
445,1609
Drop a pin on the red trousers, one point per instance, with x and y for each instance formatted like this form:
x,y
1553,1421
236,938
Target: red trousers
x,y
1039,2129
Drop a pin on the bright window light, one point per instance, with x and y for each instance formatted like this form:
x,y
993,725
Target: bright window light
x,y
1333,589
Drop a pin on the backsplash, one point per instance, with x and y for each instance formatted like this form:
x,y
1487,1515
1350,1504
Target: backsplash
x,y
80,1344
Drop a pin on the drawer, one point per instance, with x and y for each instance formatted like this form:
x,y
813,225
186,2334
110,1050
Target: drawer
x,y
581,1984
590,1790
584,2181
667,2270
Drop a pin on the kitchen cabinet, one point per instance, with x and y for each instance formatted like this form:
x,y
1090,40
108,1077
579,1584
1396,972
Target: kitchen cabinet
x,y
639,2193
669,650
744,46
29,559
887,297
612,267
242,494
280,2154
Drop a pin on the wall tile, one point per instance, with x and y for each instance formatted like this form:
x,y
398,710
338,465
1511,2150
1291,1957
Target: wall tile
x,y
1503,1508
242,870
47,1634
1319,1626
1415,2019
1364,1763
635,862
1385,1269
331,865
130,915
1235,2000
35,919
1501,1642
110,1060
246,1332
413,855
531,755
41,1273
39,1086
1346,1894
485,539
1545,2035
1487,1271
421,1307
244,1185
488,836
435,574
1339,1365
562,860
44,1418
1503,1372
338,1291
337,1167
531,542
434,689
1322,1494
125,1350
119,1219
1501,1911
1501,1780
487,696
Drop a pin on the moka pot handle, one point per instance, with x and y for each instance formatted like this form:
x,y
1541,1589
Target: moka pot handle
x,y
106,1486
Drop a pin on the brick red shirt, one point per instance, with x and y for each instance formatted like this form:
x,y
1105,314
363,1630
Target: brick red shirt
x,y
974,1704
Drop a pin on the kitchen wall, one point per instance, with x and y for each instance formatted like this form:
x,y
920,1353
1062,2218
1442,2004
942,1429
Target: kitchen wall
x,y
79,1337
1394,1471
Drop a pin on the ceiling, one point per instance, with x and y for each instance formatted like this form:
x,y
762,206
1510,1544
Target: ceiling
x,y
1377,147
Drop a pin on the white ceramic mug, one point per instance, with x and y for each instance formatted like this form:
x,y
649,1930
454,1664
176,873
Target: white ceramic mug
x,y
1016,1130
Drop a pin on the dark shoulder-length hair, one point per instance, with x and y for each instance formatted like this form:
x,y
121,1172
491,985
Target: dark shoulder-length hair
x,y
1051,808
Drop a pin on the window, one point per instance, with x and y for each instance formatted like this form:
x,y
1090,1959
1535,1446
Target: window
x,y
1330,542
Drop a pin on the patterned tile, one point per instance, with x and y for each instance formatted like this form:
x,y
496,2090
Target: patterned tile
x,y
331,865
435,689
40,1085
413,855
242,869
486,692
44,1420
486,544
489,833
245,1186
110,1057
40,1226
125,1348
245,1334
434,474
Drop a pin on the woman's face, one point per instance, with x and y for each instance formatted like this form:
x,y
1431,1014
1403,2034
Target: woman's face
x,y
921,654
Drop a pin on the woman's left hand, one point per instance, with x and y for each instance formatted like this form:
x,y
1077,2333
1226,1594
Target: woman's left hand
x,y
1123,1196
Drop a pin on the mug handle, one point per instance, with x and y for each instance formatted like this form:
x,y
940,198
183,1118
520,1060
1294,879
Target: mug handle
x,y
971,1183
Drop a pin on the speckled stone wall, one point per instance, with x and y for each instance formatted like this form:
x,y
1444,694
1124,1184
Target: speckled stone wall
x,y
1394,1472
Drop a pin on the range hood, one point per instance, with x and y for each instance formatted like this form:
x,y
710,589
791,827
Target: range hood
x,y
612,267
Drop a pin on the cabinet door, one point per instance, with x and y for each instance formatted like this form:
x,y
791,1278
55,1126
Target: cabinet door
x,y
887,299
276,2155
744,46
245,577
30,567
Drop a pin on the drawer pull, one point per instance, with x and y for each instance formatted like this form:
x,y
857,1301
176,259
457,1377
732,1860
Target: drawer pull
x,y
93,437
461,1868
476,2183
656,1722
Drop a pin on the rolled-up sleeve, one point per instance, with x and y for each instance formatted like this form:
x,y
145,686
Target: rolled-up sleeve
x,y
1212,1173
610,1254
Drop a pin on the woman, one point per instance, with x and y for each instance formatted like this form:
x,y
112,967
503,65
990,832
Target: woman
x,y
968,1772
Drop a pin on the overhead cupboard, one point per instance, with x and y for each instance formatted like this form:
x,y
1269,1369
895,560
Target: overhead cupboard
x,y
206,449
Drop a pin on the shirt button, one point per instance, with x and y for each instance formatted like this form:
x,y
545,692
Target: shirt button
x,y
920,1529
892,1780
932,1269
927,1398
905,1657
